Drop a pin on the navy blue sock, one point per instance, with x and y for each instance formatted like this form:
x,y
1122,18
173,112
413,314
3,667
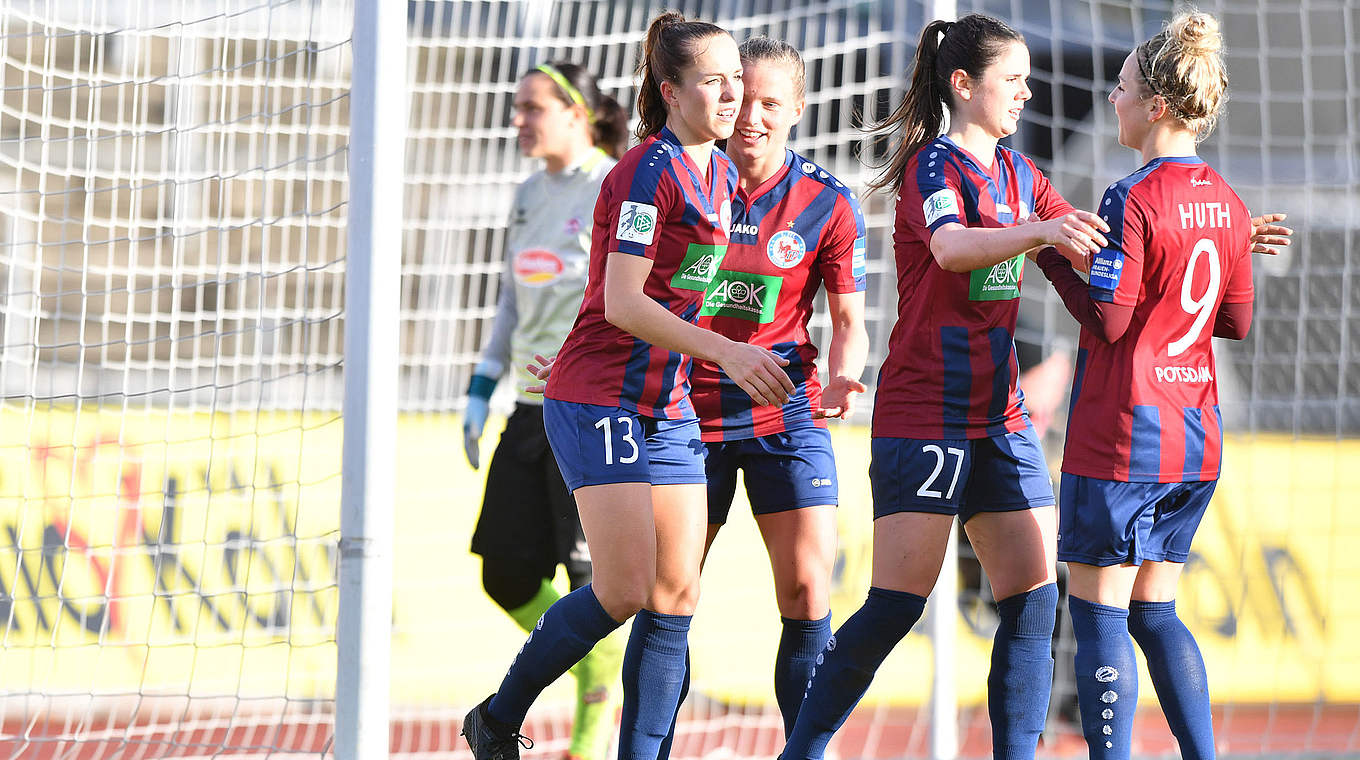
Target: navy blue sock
x,y
665,749
845,668
1177,670
565,633
653,673
1107,678
1022,671
799,644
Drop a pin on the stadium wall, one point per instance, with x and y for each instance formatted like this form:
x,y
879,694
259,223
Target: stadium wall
x,y
139,560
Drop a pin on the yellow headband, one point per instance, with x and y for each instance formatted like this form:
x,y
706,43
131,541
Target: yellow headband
x,y
571,92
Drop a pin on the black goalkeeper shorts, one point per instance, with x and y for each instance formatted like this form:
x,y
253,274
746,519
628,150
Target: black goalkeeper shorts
x,y
528,516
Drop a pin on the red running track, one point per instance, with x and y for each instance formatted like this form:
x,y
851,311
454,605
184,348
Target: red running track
x,y
871,734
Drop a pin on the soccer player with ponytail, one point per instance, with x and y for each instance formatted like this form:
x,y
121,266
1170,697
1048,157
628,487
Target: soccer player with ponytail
x,y
1144,440
951,436
617,408
528,524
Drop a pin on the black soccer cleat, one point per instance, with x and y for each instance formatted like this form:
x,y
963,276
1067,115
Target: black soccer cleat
x,y
488,744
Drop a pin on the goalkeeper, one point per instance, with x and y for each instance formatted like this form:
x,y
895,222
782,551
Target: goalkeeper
x,y
528,524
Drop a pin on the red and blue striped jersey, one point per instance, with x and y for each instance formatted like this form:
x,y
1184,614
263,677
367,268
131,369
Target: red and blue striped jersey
x,y
656,204
951,367
1145,408
797,230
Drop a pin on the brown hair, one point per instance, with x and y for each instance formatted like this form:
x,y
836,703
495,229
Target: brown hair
x,y
667,50
1183,64
761,48
972,43
608,120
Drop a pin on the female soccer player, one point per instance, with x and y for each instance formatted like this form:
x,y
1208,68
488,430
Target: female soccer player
x,y
1144,439
795,227
528,524
950,433
617,411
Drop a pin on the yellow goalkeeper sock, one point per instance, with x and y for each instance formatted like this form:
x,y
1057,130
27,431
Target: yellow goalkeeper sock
x,y
527,614
597,697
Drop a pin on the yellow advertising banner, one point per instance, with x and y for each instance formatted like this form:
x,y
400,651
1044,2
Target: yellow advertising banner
x,y
146,551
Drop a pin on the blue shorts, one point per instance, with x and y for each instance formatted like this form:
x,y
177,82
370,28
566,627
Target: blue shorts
x,y
959,476
782,471
595,445
1108,522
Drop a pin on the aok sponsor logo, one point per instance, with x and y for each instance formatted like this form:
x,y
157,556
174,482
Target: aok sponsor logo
x,y
537,267
700,264
1182,374
742,295
1000,282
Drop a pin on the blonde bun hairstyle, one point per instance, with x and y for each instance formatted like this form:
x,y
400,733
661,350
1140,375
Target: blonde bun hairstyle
x,y
1184,64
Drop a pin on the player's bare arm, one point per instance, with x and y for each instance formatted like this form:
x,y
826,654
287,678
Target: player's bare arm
x,y
963,249
757,371
846,356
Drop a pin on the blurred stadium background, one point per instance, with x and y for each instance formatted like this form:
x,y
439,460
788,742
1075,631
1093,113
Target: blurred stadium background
x,y
173,208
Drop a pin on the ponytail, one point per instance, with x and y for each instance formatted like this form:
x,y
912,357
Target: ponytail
x,y
666,51
609,131
920,115
972,44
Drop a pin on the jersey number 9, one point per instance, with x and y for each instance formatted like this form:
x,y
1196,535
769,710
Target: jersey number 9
x,y
1200,308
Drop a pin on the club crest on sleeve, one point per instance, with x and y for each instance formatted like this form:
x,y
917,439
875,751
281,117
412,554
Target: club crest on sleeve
x,y
637,223
940,204
785,249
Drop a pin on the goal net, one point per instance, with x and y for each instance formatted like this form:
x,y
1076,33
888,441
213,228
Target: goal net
x,y
173,192
172,199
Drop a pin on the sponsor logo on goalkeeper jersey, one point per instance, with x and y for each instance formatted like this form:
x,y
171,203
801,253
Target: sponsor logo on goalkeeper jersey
x,y
742,295
637,223
940,204
699,266
999,282
1183,374
537,267
785,249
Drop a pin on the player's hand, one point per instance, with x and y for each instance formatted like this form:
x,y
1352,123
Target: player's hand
x,y
474,420
541,368
1078,236
758,372
1265,234
838,398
